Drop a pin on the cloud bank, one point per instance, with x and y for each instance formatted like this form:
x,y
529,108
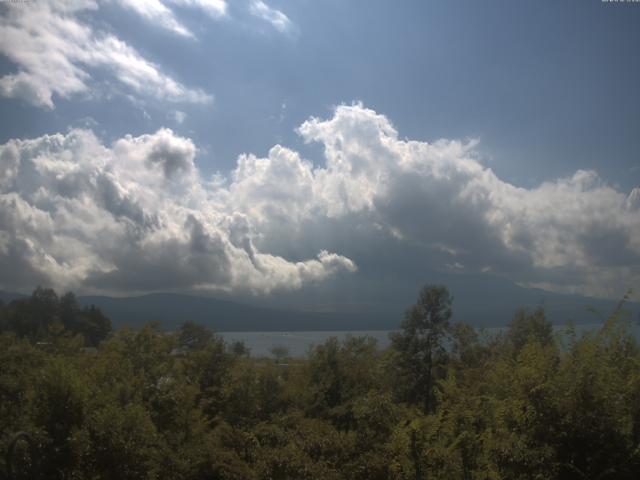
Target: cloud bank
x,y
134,216
138,216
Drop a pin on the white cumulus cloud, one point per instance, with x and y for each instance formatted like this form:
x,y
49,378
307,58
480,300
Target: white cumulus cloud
x,y
158,13
137,215
134,216
215,8
56,52
573,234
275,17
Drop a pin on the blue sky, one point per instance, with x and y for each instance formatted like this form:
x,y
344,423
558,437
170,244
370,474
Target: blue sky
x,y
541,97
548,87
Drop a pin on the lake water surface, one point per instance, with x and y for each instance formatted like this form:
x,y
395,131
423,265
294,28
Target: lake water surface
x,y
299,343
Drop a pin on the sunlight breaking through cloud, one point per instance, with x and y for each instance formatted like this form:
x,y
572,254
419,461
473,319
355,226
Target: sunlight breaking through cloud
x,y
138,215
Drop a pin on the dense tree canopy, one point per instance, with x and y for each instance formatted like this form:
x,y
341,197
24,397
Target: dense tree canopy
x,y
37,317
148,404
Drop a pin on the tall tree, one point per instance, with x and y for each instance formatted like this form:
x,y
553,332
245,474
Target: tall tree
x,y
194,336
420,344
525,327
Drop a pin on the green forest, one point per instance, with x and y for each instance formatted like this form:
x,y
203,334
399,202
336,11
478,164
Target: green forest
x,y
443,401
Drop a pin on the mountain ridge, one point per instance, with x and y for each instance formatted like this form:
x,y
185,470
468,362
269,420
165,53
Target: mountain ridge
x,y
478,302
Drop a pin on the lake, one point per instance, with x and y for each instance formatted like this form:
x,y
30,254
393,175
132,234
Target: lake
x,y
299,343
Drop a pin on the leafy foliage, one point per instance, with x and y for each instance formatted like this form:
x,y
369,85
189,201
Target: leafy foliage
x,y
41,314
419,346
443,401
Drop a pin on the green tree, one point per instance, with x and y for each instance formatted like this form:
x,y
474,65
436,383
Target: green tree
x,y
117,442
239,349
194,336
527,326
280,353
420,344
37,316
59,408
94,325
31,317
337,375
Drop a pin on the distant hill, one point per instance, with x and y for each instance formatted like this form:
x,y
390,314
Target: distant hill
x,y
222,315
480,300
486,300
6,297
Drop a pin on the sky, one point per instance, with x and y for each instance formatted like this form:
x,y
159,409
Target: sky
x,y
292,149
